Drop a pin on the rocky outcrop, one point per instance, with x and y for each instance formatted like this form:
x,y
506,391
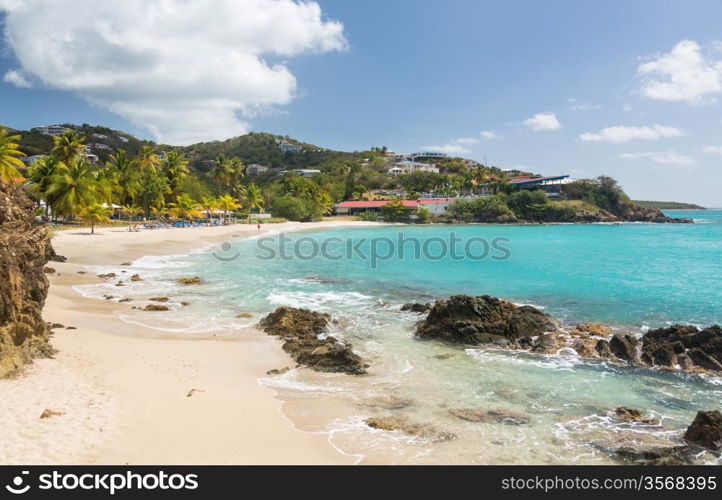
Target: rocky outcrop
x,y
463,319
684,346
703,437
402,424
631,415
195,280
24,251
635,213
706,430
301,331
416,307
498,415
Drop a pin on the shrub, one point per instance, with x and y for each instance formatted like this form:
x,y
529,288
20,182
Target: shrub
x,y
296,209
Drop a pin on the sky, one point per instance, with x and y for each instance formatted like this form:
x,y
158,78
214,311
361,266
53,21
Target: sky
x,y
630,89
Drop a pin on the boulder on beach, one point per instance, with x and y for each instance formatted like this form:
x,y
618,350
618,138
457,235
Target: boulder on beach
x,y
159,299
290,322
706,430
135,277
464,319
325,355
593,329
107,275
300,330
156,307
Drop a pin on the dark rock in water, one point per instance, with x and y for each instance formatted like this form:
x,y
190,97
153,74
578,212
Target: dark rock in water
x,y
499,415
479,320
703,360
624,347
548,343
603,349
278,371
289,322
416,307
24,251
300,329
389,402
443,356
195,280
55,257
407,427
135,277
325,355
156,307
706,430
675,455
126,300
127,264
159,299
624,414
107,275
668,346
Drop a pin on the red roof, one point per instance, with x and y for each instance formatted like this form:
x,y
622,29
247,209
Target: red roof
x,y
381,203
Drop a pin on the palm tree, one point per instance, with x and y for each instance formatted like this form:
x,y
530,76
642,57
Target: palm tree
x,y
68,147
228,203
326,203
222,172
185,207
254,199
74,187
124,171
131,211
9,157
175,168
209,204
237,172
94,214
148,160
40,178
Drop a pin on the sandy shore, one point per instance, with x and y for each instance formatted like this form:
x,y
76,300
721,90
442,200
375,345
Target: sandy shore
x,y
130,395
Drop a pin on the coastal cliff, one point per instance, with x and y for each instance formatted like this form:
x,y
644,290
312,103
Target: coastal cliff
x,y
24,251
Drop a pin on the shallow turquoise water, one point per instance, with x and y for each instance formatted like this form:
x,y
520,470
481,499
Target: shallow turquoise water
x,y
631,276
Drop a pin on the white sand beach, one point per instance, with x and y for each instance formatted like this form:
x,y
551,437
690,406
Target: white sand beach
x,y
131,395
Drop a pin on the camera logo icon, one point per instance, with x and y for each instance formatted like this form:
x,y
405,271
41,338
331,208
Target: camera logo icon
x,y
16,487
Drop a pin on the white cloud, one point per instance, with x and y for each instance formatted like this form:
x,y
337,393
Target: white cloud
x,y
684,74
578,105
621,133
185,70
543,121
490,134
715,150
661,158
454,147
17,78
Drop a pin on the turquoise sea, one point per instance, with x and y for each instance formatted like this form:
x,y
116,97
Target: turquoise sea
x,y
629,276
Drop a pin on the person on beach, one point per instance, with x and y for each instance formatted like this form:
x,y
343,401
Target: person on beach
x,y
258,225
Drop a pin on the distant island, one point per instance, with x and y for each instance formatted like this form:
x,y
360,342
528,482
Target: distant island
x,y
668,205
93,173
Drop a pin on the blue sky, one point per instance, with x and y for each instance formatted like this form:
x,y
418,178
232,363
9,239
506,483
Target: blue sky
x,y
411,74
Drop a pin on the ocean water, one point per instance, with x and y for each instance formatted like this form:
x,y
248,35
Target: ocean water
x,y
630,276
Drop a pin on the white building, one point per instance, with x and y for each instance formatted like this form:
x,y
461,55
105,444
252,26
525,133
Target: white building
x,y
51,130
256,169
407,167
